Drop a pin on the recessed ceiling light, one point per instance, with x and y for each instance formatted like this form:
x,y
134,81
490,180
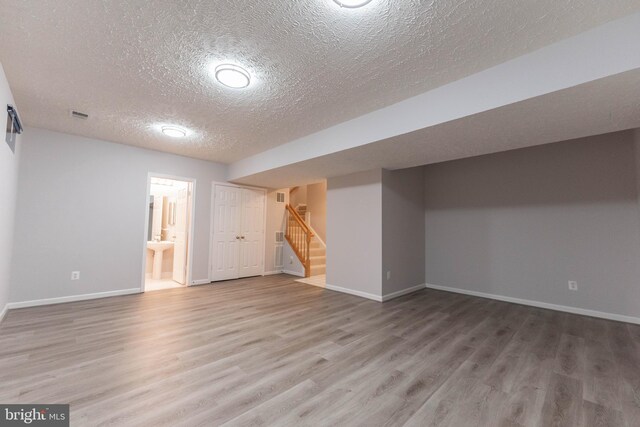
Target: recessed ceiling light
x,y
174,131
232,76
352,3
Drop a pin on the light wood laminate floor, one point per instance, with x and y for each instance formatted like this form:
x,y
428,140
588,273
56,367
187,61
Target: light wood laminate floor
x,y
270,351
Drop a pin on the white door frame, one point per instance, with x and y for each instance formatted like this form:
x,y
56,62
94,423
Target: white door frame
x,y
192,181
211,225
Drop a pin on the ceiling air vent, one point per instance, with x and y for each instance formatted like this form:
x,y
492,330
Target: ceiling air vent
x,y
79,115
280,197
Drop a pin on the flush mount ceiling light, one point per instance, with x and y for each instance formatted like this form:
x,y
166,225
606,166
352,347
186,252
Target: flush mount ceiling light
x,y
174,131
232,76
352,4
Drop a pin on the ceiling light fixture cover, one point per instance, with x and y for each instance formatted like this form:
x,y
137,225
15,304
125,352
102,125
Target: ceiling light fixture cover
x,y
352,4
174,131
232,76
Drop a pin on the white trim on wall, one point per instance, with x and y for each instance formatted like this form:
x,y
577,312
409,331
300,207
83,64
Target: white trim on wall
x,y
403,292
293,273
200,282
366,295
549,306
72,298
271,273
373,297
4,312
531,303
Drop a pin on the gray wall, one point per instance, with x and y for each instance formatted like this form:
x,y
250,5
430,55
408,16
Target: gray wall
x,y
8,189
636,135
375,224
354,240
81,206
299,196
522,223
403,225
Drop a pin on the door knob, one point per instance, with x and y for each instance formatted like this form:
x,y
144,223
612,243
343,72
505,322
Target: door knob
x,y
238,237
242,237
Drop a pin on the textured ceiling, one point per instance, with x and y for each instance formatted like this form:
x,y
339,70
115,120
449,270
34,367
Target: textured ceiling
x,y
602,106
134,64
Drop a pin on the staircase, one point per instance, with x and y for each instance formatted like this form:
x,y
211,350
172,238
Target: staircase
x,y
318,257
302,210
307,247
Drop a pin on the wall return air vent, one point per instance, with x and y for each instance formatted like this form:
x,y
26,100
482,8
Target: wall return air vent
x,y
14,127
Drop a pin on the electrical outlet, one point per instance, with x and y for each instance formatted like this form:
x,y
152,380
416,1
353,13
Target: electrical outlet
x,y
573,285
389,275
75,275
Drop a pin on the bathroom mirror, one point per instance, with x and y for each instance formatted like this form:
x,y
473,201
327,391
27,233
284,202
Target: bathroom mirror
x,y
150,229
172,212
155,218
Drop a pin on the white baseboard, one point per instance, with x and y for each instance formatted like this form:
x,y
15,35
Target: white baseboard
x,y
200,282
397,294
271,273
4,312
293,273
366,295
538,304
374,297
549,306
72,298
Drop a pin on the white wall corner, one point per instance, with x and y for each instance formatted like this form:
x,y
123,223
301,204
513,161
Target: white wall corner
x,y
403,292
378,298
361,294
4,312
293,273
274,272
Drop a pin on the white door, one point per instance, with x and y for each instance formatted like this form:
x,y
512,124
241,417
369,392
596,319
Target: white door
x,y
181,237
226,232
238,233
252,233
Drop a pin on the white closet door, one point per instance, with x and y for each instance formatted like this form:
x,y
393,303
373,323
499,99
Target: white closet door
x,y
181,238
252,233
226,232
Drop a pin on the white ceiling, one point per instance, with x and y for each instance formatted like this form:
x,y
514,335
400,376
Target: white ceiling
x,y
584,85
603,106
134,64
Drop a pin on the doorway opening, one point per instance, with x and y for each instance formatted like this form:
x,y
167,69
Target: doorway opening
x,y
169,232
305,233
